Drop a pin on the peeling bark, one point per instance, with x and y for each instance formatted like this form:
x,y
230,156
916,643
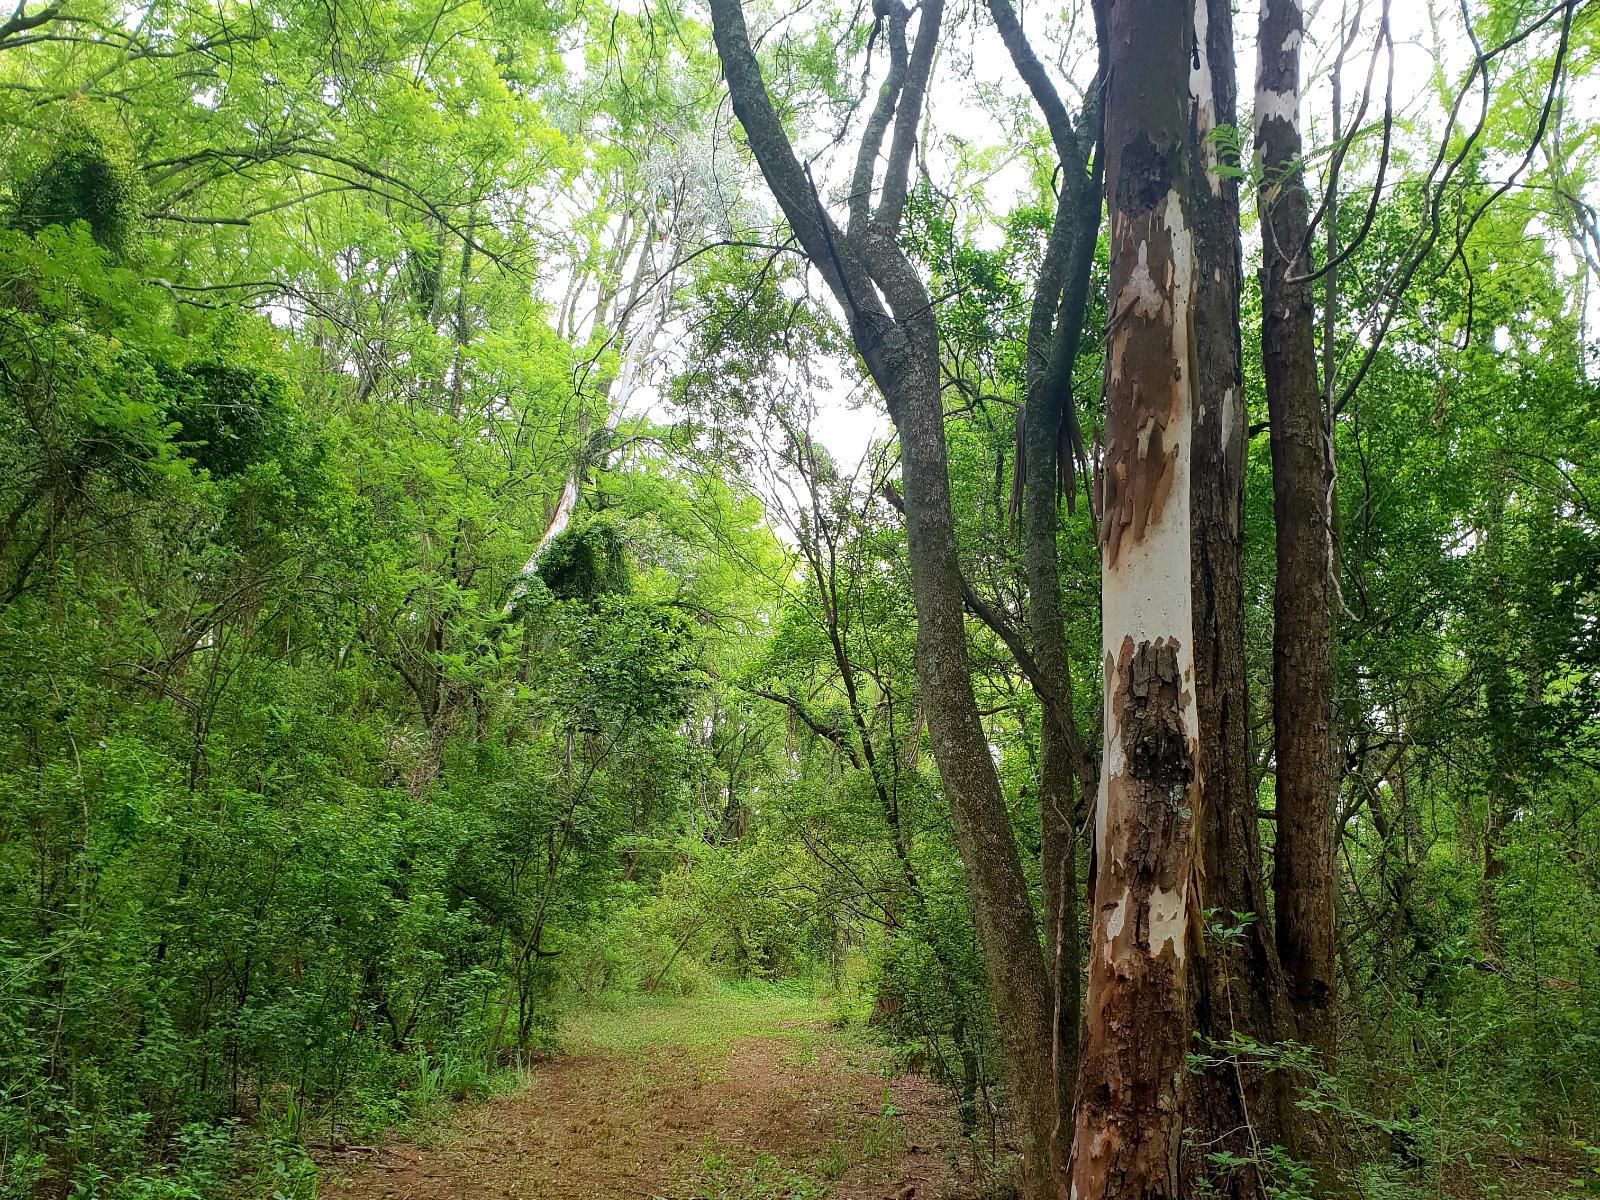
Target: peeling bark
x,y
1128,1127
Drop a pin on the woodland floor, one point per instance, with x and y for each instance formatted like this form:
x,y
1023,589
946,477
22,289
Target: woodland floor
x,y
732,1095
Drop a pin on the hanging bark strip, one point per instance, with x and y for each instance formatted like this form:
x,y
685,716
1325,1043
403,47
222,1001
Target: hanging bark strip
x,y
1302,654
1128,1123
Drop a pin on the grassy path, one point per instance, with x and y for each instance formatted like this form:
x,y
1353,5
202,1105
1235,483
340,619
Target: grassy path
x,y
736,1094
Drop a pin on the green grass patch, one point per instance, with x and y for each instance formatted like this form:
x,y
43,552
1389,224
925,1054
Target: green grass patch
x,y
706,1021
766,1178
719,1172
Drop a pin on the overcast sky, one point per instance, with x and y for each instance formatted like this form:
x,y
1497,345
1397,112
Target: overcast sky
x,y
972,59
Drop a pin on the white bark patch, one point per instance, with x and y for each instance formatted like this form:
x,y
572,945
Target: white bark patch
x,y
1230,415
1145,593
1118,917
1114,759
1270,103
1141,292
558,526
1200,87
1167,924
1281,106
1174,552
1183,264
1113,764
1143,436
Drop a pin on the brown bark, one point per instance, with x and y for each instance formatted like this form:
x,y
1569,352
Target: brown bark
x,y
1236,987
895,331
1302,655
1128,1126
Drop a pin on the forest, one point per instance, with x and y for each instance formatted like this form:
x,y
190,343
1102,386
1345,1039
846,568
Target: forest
x,y
781,599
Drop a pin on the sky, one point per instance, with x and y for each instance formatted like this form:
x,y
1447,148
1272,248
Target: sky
x,y
972,60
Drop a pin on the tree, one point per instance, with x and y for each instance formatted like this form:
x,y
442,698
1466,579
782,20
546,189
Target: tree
x,y
1307,779
1146,917
894,329
1049,444
1232,1107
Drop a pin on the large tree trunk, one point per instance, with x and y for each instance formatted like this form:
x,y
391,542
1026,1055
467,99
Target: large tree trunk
x,y
1302,655
1236,986
1128,1127
893,325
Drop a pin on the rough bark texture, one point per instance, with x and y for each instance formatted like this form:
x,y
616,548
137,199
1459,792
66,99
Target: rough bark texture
x,y
1058,853
1049,439
1128,1127
1302,657
1236,987
897,337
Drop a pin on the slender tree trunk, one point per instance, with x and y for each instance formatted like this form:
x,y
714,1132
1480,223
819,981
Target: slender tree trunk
x,y
1236,987
1302,654
1001,905
1495,666
1058,846
1128,1126
1048,439
894,327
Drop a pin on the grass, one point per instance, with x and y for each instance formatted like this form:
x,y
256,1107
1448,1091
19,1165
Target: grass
x,y
700,1024
763,1179
801,1117
724,1173
701,1028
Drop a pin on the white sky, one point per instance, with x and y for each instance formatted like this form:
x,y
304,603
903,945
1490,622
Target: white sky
x,y
849,420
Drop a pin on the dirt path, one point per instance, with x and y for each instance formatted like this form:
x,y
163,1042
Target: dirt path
x,y
706,1100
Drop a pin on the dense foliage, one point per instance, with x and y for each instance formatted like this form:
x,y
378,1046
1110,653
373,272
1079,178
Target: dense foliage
x,y
431,594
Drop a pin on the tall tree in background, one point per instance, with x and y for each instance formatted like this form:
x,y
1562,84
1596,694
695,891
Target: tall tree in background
x,y
1145,910
1048,440
895,330
1237,984
1302,653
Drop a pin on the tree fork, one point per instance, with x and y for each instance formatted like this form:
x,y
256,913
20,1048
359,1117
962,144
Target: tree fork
x,y
895,330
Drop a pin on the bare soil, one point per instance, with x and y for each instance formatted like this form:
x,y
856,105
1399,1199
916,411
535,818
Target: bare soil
x,y
759,1118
